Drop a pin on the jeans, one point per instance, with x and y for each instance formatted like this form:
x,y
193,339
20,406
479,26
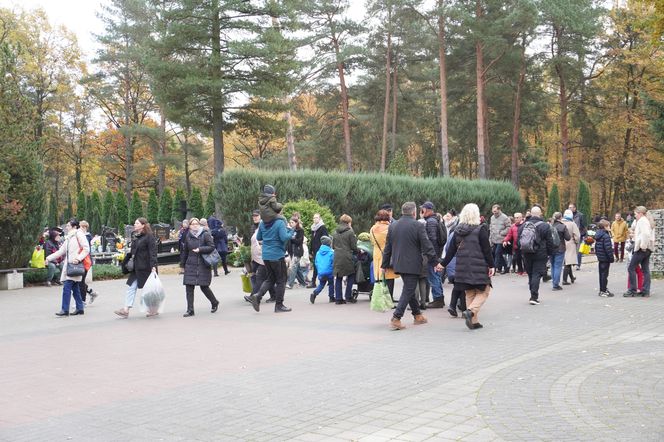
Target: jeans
x,y
619,246
322,280
408,296
350,280
206,291
422,290
557,261
517,260
295,271
640,258
277,272
498,258
434,281
603,275
536,269
68,288
131,294
53,271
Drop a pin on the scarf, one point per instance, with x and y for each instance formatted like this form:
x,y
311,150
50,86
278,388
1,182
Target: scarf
x,y
196,233
317,226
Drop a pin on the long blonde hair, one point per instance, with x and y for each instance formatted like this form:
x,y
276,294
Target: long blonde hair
x,y
470,214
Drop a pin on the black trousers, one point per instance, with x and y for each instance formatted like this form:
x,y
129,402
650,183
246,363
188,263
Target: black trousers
x,y
408,297
517,260
277,274
603,275
260,275
224,263
458,297
206,291
83,287
390,287
536,269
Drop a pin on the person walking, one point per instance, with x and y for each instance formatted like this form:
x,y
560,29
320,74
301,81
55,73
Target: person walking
x,y
580,221
437,235
558,257
258,269
184,230
196,271
604,254
220,238
378,234
512,240
275,236
74,250
474,262
619,231
85,289
644,244
407,242
536,245
458,298
499,228
139,263
318,231
325,264
571,247
295,251
344,244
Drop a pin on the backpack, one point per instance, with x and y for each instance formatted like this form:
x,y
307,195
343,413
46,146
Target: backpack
x,y
528,240
442,236
555,236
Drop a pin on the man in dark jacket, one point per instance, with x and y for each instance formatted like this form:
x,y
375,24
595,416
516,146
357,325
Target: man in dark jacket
x,y
535,261
407,242
438,236
558,257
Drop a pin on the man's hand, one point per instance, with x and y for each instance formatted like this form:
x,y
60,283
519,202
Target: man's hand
x,y
504,243
492,271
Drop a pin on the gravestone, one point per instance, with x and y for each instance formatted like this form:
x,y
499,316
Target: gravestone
x,y
657,257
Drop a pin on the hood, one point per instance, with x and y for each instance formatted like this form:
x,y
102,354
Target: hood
x,y
263,199
325,250
341,228
464,229
601,234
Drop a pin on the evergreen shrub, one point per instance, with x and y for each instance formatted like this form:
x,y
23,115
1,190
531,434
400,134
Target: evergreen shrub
x,y
153,207
360,195
307,209
166,207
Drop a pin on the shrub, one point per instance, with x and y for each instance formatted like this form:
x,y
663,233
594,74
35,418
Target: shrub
x,y
583,203
553,202
196,203
135,208
81,212
209,203
307,209
360,195
166,207
35,276
121,210
179,197
102,272
153,207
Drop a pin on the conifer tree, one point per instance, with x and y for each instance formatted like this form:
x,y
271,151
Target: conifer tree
x,y
81,205
583,203
209,203
553,202
109,205
166,207
153,207
179,197
69,211
121,210
135,208
53,219
196,203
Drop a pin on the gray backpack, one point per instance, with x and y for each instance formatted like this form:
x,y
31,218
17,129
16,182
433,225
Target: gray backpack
x,y
528,241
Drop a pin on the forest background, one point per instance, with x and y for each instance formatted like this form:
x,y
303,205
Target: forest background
x,y
536,92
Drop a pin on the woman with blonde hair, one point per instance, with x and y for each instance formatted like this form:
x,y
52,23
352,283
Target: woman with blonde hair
x,y
378,233
644,245
474,262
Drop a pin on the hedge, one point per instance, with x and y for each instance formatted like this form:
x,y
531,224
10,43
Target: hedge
x,y
100,272
359,195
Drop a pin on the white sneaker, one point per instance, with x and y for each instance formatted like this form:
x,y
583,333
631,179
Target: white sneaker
x,y
93,296
534,302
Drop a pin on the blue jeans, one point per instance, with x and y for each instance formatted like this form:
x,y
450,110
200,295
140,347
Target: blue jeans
x,y
350,280
295,271
131,294
68,288
435,282
499,261
641,258
557,261
53,271
322,280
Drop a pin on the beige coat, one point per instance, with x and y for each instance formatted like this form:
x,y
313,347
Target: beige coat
x,y
71,248
572,245
378,234
619,231
644,239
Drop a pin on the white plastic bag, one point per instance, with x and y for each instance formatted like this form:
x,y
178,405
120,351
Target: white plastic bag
x,y
88,277
153,295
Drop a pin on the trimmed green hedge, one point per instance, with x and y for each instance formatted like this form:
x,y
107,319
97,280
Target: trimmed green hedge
x,y
360,195
100,272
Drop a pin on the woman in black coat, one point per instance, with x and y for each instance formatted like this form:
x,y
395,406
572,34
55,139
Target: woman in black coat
x,y
143,254
196,271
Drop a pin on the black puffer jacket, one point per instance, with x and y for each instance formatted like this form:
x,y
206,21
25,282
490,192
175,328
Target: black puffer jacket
x,y
196,270
144,251
603,247
295,244
473,255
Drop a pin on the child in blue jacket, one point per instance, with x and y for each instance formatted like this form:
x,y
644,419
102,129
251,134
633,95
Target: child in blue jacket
x,y
325,266
604,254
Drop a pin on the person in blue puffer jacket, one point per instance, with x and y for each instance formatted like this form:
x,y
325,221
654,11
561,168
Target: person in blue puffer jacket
x,y
458,296
325,264
604,254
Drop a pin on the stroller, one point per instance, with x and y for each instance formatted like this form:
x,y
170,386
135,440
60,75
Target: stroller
x,y
363,269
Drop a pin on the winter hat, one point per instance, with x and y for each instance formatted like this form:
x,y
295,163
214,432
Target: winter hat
x,y
269,189
326,240
569,216
364,236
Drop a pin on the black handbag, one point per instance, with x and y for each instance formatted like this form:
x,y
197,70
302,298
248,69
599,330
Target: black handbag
x,y
211,259
74,269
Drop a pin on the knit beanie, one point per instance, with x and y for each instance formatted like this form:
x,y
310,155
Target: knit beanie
x,y
326,240
269,189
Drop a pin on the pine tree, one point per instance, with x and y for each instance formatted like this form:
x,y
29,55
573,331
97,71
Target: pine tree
x,y
196,203
121,210
135,207
112,218
53,219
69,211
166,207
153,207
553,202
179,197
209,202
81,211
109,205
95,220
583,202
95,207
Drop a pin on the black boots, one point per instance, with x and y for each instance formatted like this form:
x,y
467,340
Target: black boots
x,y
189,313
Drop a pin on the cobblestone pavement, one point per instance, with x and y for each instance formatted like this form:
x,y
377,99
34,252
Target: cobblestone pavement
x,y
576,367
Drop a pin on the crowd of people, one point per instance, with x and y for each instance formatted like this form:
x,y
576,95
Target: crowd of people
x,y
464,249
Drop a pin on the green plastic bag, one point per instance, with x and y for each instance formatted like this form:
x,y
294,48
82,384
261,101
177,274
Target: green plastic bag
x,y
246,283
381,301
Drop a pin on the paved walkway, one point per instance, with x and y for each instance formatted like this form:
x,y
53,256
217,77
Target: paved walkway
x,y
576,367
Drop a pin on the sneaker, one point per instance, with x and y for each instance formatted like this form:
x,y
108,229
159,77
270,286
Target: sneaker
x,y
312,297
609,294
643,294
438,303
534,302
478,325
289,287
93,296
603,294
48,283
629,294
557,287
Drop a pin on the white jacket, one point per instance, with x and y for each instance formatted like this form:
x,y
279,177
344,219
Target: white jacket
x,y
644,238
75,247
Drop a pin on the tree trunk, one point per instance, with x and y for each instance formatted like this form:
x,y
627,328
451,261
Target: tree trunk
x,y
290,141
344,106
187,173
386,107
516,128
395,92
479,69
161,172
217,109
442,47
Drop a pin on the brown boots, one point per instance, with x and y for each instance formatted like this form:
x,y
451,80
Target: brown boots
x,y
420,319
395,323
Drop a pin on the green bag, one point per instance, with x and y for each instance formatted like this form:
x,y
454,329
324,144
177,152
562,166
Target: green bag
x,y
246,283
381,301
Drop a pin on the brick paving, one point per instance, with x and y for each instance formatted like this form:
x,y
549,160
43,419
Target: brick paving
x,y
576,367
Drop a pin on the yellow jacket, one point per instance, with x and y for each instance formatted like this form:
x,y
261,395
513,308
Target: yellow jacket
x,y
378,239
619,231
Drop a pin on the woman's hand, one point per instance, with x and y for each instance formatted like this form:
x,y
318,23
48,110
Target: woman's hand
x,y
75,261
492,271
195,250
